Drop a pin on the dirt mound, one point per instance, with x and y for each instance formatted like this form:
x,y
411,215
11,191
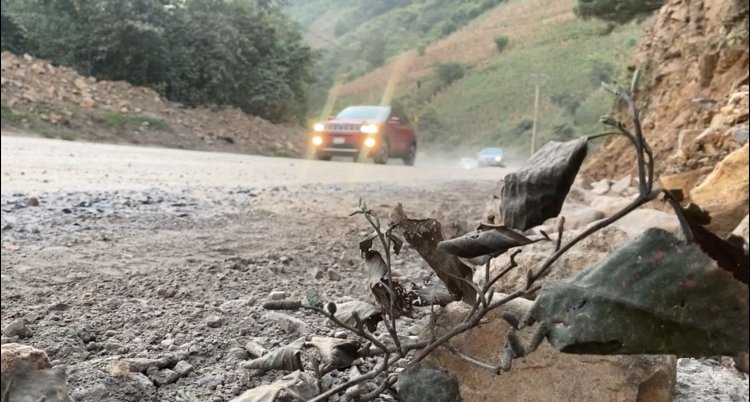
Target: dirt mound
x,y
695,108
58,102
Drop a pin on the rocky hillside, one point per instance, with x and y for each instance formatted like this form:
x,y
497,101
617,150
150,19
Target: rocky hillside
x,y
695,107
57,102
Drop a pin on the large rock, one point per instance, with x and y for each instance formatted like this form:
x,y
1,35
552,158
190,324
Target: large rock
x,y
724,193
546,375
610,205
638,221
27,375
576,217
588,251
13,354
684,181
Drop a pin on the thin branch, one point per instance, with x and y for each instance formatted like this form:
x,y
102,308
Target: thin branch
x,y
591,230
383,386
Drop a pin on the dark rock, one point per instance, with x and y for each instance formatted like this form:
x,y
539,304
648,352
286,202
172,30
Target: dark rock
x,y
18,328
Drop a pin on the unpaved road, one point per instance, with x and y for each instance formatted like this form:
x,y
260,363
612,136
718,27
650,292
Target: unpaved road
x,y
35,164
146,253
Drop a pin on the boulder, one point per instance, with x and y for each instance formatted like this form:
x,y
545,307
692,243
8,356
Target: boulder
x,y
601,187
724,193
621,185
638,221
588,251
684,181
742,229
545,374
576,217
610,205
13,354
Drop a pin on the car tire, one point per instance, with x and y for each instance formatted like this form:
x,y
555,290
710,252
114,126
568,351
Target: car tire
x,y
381,158
323,157
411,157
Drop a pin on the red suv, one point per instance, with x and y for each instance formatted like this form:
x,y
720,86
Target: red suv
x,y
380,132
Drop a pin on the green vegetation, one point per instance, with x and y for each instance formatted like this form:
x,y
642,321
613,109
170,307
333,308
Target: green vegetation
x,y
244,53
501,42
619,11
493,104
369,32
11,118
122,122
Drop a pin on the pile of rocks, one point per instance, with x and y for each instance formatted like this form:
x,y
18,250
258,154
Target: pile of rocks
x,y
95,110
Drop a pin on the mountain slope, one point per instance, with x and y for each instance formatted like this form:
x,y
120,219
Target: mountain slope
x,y
491,103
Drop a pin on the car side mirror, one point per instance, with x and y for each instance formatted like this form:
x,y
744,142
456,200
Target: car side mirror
x,y
394,120
331,117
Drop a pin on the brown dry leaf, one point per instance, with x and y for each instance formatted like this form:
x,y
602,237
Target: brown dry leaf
x,y
425,235
377,271
335,353
287,389
370,314
484,241
537,191
284,358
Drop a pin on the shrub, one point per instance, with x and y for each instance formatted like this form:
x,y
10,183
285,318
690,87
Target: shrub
x,y
447,73
501,42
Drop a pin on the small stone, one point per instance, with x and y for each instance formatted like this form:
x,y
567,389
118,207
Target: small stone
x,y
164,376
238,354
114,303
277,295
215,321
32,202
740,135
620,185
183,368
118,368
166,292
86,336
341,334
285,260
333,275
318,273
254,349
18,328
601,187
113,346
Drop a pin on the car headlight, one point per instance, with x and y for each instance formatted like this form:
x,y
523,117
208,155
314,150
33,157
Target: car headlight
x,y
319,127
370,142
498,158
317,140
369,129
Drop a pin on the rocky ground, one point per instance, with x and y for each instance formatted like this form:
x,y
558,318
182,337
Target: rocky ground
x,y
56,102
103,263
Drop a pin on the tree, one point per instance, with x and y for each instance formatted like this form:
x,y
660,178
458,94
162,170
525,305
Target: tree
x,y
619,11
199,52
12,34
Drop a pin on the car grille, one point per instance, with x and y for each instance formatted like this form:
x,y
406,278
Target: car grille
x,y
342,127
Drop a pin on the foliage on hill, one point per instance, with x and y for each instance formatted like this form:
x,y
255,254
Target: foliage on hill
x,y
242,53
619,11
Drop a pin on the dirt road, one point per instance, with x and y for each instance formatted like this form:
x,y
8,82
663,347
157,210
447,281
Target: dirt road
x,y
112,252
35,164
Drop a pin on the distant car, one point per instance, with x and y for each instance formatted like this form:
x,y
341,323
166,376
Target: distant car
x,y
361,132
491,157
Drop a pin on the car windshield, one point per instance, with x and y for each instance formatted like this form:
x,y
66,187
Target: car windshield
x,y
375,113
491,152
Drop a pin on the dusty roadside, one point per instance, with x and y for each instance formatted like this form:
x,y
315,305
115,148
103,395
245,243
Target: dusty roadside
x,y
139,252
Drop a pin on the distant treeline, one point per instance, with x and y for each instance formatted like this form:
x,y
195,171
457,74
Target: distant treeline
x,y
244,53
